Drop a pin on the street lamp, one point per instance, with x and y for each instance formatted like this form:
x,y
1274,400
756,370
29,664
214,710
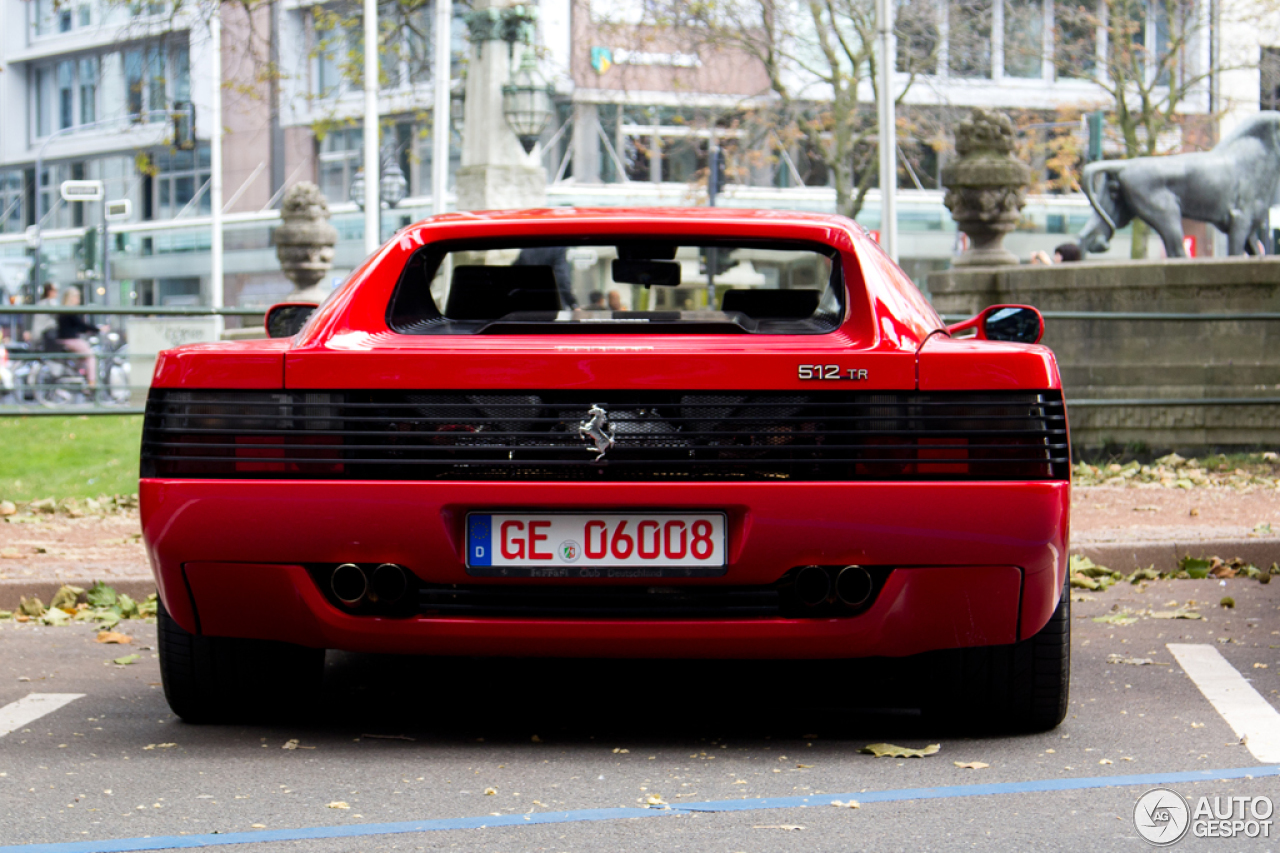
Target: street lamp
x,y
527,103
392,185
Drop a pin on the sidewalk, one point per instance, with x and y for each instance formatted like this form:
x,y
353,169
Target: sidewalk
x,y
1120,527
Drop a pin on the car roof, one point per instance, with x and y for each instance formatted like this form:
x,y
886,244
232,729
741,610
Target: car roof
x,y
721,222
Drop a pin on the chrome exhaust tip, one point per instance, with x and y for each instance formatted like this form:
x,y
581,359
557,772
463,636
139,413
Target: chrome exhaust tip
x,y
813,586
349,584
853,586
388,583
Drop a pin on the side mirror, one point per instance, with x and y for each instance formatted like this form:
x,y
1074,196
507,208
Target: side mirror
x,y
1018,323
287,318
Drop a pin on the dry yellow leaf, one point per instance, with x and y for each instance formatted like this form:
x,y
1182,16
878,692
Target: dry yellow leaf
x,y
113,637
338,804
971,765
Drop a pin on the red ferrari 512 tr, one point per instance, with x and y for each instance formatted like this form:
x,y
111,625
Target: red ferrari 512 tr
x,y
615,433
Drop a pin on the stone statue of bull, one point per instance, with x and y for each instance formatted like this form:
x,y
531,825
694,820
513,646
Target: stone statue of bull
x,y
1231,186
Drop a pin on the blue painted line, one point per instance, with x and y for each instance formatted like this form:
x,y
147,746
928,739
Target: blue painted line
x,y
172,842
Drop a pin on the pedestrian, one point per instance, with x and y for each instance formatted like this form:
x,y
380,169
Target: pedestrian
x,y
1067,253
70,328
42,323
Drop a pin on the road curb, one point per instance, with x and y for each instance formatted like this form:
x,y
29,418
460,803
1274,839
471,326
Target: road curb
x,y
1165,556
14,589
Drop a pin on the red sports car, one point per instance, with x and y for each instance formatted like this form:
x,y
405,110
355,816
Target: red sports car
x,y
698,433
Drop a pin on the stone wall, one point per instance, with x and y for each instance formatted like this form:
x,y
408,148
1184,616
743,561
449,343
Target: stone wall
x,y
1142,362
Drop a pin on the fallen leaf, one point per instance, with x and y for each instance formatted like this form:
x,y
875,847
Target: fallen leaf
x,y
66,596
126,660
888,750
971,765
1227,602
258,826
1121,618
32,608
291,743
113,637
852,804
10,553
338,804
655,800
1175,614
101,596
1259,666
803,766
619,751
489,792
7,508
536,739
1116,659
55,616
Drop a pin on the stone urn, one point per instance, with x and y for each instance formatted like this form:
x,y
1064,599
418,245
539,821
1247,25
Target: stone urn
x,y
305,241
986,188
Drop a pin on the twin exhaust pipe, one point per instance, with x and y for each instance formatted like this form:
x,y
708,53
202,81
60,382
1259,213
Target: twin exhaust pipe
x,y
353,586
852,585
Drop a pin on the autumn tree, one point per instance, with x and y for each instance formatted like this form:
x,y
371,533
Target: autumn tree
x,y
820,58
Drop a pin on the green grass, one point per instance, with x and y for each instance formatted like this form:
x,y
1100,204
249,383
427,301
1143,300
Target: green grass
x,y
62,457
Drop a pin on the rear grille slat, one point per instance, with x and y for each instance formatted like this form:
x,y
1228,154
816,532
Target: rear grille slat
x,y
676,435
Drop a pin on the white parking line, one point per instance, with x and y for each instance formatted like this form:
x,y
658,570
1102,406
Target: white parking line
x,y
32,707
1244,709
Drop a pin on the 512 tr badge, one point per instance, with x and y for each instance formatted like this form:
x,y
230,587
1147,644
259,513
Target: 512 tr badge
x,y
833,372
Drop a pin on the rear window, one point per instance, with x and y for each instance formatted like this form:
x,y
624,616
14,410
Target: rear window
x,y
650,286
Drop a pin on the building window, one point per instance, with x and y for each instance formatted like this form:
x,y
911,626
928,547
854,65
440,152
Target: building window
x,y
1269,94
179,178
405,53
11,202
89,89
1023,38
1076,39
340,159
65,95
917,27
969,42
53,17
154,78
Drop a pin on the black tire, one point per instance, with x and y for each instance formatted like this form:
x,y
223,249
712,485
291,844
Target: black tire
x,y
223,679
1020,687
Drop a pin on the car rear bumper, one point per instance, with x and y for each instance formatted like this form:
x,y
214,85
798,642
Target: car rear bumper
x,y
973,563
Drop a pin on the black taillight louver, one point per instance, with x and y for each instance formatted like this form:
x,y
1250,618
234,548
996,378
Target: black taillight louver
x,y
656,436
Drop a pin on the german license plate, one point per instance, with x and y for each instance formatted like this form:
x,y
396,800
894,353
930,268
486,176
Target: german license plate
x,y
524,544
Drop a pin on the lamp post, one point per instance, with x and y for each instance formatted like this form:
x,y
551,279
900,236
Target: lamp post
x,y
527,101
392,184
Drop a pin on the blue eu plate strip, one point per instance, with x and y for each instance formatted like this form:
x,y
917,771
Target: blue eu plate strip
x,y
479,540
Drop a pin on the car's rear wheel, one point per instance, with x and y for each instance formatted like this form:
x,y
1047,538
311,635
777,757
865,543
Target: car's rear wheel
x,y
223,679
1019,687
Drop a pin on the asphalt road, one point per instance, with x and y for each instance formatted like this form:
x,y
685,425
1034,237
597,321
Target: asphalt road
x,y
487,742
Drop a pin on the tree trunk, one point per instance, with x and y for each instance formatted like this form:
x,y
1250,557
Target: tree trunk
x,y
1138,251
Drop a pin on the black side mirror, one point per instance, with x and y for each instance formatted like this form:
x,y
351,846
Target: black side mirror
x,y
287,318
1017,323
